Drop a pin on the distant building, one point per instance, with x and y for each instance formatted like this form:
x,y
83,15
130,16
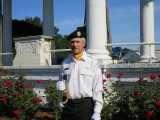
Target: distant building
x,y
131,57
134,56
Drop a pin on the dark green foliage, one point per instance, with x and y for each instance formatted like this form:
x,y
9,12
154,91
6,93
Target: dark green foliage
x,y
125,50
61,42
17,97
23,29
140,103
53,97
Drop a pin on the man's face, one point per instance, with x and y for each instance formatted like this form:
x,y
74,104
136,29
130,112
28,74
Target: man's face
x,y
77,45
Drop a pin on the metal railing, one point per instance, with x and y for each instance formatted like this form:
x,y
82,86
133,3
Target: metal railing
x,y
124,44
131,44
60,50
118,44
1,63
59,55
7,54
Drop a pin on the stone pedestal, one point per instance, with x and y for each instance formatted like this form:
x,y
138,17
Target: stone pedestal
x,y
32,50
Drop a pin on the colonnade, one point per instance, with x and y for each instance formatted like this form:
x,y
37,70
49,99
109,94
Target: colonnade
x,y
96,28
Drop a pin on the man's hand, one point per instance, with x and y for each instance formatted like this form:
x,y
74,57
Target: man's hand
x,y
60,85
96,116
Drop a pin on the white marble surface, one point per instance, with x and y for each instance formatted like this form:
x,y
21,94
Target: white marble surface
x,y
33,50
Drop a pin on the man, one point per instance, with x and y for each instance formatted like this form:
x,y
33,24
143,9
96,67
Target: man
x,y
84,82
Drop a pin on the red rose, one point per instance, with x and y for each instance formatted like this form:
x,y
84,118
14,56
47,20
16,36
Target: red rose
x,y
143,106
104,80
9,85
40,100
158,75
16,112
16,95
46,88
8,82
39,81
119,77
18,85
148,114
121,73
153,77
157,102
4,71
105,89
140,79
108,75
4,99
37,100
28,86
136,93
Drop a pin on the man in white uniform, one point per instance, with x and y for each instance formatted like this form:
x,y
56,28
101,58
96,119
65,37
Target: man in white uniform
x,y
84,82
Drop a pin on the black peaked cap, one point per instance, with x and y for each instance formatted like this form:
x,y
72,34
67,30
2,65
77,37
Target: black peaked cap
x,y
79,33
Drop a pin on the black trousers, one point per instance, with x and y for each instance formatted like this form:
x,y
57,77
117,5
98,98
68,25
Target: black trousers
x,y
81,109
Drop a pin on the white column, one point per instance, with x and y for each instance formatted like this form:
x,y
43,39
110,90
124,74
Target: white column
x,y
7,32
147,52
97,30
48,21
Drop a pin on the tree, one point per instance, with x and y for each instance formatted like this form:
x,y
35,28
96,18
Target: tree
x,y
125,50
27,27
35,21
33,26
61,43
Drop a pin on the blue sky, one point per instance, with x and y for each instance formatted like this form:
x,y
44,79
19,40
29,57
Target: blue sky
x,y
69,14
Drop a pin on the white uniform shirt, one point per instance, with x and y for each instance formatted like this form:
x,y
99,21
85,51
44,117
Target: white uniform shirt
x,y
84,79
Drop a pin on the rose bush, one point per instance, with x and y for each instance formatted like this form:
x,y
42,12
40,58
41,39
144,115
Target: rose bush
x,y
17,97
53,97
141,102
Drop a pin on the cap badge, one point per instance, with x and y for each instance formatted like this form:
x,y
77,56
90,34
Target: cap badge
x,y
78,33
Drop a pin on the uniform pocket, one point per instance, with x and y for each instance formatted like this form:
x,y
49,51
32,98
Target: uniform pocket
x,y
86,74
86,80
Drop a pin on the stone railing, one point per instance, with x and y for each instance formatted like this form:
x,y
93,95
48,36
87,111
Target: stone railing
x,y
132,72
